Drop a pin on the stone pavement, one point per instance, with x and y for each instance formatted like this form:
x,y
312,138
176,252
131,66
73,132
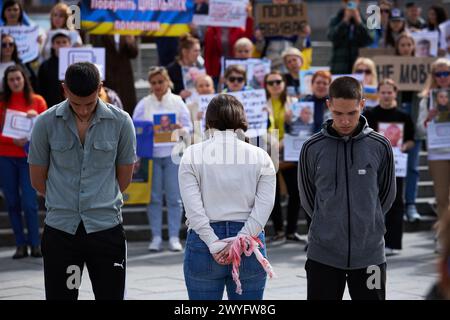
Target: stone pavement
x,y
159,276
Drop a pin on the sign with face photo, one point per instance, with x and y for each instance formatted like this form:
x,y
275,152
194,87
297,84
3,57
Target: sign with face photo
x,y
393,132
438,130
426,43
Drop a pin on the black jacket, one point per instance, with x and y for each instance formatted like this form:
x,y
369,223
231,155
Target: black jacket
x,y
49,85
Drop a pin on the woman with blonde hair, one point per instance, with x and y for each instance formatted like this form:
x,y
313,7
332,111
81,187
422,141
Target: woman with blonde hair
x,y
367,67
439,158
59,15
165,171
243,48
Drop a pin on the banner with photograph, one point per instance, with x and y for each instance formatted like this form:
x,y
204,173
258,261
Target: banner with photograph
x,y
393,131
426,43
274,19
189,76
439,128
223,13
140,188
255,106
292,147
256,70
409,73
305,77
170,18
164,124
26,38
302,122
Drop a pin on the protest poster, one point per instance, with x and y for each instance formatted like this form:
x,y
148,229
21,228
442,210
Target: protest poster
x,y
256,70
373,52
26,38
371,96
274,19
393,131
223,13
144,138
17,125
400,163
426,43
189,76
409,73
438,130
292,147
139,190
305,77
164,124
255,104
169,18
302,122
68,56
444,28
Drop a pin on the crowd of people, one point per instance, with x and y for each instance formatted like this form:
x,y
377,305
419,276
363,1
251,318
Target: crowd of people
x,y
198,67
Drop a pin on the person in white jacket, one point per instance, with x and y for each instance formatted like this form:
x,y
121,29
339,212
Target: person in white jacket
x,y
165,171
228,189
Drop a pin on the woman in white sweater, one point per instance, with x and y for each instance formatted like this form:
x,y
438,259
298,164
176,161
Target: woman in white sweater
x,y
228,190
165,170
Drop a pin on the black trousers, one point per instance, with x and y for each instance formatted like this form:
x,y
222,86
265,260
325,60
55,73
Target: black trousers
x,y
65,255
394,219
328,283
290,177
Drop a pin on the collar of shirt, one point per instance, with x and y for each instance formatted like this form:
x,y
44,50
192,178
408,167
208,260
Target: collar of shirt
x,y
101,111
223,136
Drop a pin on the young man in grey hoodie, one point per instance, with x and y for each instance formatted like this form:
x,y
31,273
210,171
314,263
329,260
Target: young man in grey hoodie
x,y
347,184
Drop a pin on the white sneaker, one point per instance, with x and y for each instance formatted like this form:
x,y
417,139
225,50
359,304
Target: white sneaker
x,y
174,244
412,214
389,252
156,244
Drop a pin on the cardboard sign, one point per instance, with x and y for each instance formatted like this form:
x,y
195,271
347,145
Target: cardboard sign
x,y
373,52
223,13
410,73
280,19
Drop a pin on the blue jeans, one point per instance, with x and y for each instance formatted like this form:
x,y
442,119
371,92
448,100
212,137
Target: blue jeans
x,y
19,194
165,180
206,279
412,174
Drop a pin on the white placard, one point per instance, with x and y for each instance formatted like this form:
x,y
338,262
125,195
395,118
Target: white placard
x,y
26,38
438,135
18,125
293,146
401,163
223,13
254,102
426,43
256,70
68,56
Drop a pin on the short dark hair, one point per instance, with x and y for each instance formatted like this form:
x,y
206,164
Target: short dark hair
x,y
346,88
225,112
82,78
59,35
410,4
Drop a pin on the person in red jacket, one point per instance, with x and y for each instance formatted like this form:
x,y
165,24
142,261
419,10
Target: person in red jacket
x,y
14,173
219,42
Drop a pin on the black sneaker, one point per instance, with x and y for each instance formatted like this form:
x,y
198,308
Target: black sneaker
x,y
21,252
295,237
36,252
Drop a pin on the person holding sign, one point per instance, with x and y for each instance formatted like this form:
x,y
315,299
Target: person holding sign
x,y
82,154
388,113
347,184
293,61
48,74
188,54
438,158
278,103
235,79
442,106
153,107
59,16
225,199
14,171
408,101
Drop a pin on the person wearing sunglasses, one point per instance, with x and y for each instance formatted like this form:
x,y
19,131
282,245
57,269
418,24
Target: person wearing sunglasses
x,y
10,56
439,158
366,67
378,33
277,103
235,79
396,26
165,177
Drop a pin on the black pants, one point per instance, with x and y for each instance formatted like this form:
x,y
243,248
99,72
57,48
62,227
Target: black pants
x,y
394,219
328,283
103,252
290,177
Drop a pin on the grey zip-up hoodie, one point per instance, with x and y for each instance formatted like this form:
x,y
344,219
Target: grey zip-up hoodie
x,y
347,185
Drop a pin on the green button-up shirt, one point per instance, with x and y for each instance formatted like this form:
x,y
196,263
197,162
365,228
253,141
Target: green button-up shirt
x,y
81,183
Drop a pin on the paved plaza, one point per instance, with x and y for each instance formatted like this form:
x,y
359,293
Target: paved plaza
x,y
159,276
